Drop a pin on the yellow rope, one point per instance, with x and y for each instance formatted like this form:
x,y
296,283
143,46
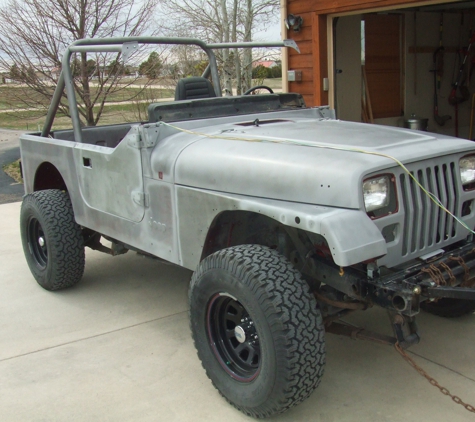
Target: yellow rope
x,y
432,197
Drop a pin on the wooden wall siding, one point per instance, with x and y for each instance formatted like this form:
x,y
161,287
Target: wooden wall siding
x,y
320,50
383,64
341,6
305,60
315,13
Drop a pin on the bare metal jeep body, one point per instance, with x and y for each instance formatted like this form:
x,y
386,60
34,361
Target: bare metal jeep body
x,y
218,183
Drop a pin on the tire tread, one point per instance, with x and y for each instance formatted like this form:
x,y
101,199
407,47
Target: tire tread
x,y
289,304
67,252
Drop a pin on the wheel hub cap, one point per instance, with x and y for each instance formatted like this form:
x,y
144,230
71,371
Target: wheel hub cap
x,y
233,337
37,242
240,334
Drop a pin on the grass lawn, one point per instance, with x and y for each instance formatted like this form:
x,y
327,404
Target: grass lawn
x,y
133,111
13,170
31,121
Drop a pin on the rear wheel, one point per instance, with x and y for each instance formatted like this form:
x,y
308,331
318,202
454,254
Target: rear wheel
x,y
449,308
52,240
257,329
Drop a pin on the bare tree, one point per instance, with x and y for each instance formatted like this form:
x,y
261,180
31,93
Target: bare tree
x,y
224,21
34,34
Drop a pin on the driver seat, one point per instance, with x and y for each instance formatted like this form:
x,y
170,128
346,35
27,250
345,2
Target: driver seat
x,y
194,88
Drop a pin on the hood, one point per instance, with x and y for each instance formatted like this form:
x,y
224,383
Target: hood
x,y
321,162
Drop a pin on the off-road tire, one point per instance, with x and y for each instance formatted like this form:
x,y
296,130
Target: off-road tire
x,y
449,308
52,240
288,329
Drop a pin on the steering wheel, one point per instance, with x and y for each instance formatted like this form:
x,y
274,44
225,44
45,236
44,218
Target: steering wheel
x,y
255,88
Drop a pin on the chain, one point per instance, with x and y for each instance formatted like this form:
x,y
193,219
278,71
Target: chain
x,y
452,278
432,381
435,274
466,276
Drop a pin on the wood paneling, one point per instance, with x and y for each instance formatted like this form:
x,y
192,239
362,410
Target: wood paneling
x,y
320,51
314,31
306,47
305,34
312,40
302,61
308,99
342,6
383,63
304,88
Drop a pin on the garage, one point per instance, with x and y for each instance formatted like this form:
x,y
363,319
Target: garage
x,y
396,63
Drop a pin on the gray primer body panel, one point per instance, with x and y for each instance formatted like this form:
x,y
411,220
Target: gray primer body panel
x,y
269,161
276,168
351,235
110,180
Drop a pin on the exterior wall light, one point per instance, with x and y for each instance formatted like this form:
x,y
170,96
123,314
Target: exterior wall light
x,y
293,21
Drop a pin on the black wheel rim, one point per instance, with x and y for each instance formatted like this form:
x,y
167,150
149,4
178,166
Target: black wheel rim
x,y
233,337
37,242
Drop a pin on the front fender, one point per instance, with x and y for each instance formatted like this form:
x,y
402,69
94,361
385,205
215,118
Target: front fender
x,y
350,234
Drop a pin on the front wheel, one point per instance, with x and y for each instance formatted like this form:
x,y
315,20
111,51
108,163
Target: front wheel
x,y
52,240
257,329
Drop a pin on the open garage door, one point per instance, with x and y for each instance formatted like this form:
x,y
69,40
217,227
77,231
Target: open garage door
x,y
413,58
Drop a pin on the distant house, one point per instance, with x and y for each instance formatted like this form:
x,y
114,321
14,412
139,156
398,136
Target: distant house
x,y
55,72
265,63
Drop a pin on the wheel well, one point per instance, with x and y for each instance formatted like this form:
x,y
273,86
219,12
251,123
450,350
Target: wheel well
x,y
48,177
232,228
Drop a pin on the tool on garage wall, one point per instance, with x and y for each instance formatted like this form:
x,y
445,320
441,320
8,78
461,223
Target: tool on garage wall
x,y
438,70
367,109
460,92
440,53
415,53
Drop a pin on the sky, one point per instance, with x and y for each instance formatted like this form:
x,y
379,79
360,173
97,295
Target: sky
x,y
272,33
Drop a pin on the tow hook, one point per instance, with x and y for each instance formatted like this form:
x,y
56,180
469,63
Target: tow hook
x,y
405,329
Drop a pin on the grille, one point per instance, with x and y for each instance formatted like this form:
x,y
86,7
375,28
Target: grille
x,y
425,224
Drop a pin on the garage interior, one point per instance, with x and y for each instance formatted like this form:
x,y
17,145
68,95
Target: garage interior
x,y
400,66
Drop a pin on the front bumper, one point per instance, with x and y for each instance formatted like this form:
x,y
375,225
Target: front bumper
x,y
448,275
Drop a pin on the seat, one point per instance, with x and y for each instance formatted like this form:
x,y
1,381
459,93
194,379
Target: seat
x,y
194,88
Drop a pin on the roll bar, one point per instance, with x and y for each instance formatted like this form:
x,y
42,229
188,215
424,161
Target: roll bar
x,y
126,46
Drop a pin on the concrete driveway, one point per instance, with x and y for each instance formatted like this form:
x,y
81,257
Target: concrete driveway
x,y
117,347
